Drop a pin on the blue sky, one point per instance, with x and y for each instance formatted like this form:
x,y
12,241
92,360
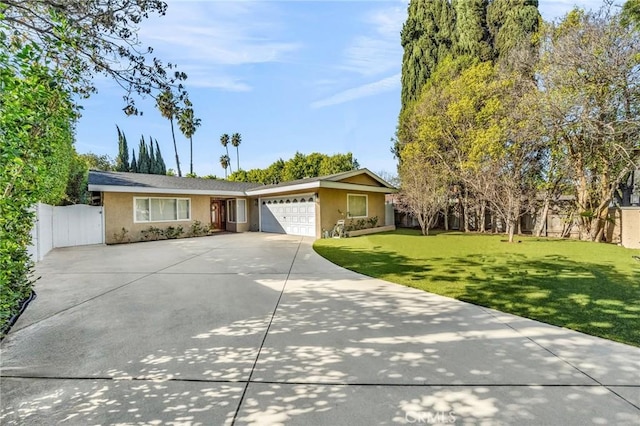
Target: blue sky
x,y
308,76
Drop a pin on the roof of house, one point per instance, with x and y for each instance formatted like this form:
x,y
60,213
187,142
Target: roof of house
x,y
140,182
328,181
145,183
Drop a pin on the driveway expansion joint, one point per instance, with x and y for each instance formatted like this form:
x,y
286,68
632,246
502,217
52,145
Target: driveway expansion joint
x,y
266,333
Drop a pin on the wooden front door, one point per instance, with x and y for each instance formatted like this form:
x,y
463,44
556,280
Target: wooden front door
x,y
217,214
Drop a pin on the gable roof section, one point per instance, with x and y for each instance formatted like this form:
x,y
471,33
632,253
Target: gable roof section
x,y
330,181
101,181
159,184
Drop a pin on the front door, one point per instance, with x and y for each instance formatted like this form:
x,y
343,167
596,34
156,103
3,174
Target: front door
x,y
217,214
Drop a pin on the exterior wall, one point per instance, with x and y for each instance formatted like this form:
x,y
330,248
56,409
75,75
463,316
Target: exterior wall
x,y
254,216
118,214
613,228
361,180
630,219
332,200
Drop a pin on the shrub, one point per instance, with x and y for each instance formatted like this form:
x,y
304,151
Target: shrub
x,y
198,230
121,235
152,233
173,232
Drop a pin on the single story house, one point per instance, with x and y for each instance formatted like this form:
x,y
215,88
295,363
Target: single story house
x,y
307,207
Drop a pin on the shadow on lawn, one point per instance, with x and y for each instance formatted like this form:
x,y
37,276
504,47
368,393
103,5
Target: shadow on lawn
x,y
593,298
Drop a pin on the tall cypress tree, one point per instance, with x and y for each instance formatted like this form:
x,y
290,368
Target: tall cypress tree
x,y
162,167
513,23
427,37
134,164
152,158
473,37
143,157
122,160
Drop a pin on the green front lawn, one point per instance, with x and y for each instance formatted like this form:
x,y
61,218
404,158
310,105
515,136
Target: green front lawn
x,y
590,287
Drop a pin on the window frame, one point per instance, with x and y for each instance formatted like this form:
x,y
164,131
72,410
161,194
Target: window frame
x,y
177,199
366,206
236,209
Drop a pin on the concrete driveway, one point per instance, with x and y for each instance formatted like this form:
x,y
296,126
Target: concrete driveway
x,y
258,329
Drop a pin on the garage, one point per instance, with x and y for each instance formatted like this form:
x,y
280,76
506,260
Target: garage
x,y
294,215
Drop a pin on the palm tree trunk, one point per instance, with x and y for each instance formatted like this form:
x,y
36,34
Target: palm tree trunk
x,y
191,153
230,169
175,148
238,158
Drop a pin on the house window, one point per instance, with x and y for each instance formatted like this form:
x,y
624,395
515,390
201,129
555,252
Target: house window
x,y
237,211
357,205
161,209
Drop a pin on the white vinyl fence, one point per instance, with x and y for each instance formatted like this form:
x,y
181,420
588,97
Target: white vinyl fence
x,y
65,226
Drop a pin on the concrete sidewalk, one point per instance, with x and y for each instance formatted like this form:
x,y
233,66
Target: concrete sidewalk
x,y
258,329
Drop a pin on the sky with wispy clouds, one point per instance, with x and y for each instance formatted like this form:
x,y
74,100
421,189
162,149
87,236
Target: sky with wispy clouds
x,y
289,75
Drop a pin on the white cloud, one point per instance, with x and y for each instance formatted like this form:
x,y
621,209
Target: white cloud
x,y
207,78
379,51
370,89
376,51
211,41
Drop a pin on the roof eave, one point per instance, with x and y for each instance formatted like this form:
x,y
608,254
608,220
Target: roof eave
x,y
357,187
153,190
284,188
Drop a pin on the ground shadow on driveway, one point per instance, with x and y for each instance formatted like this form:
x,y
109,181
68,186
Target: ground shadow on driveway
x,y
290,338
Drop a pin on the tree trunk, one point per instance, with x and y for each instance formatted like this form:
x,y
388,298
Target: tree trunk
x,y
543,218
483,209
465,210
446,218
175,148
511,227
191,154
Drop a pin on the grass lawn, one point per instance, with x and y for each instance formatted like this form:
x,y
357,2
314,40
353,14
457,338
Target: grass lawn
x,y
593,288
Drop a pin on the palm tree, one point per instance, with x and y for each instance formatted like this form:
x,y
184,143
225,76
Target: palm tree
x,y
224,140
224,162
236,139
188,124
168,108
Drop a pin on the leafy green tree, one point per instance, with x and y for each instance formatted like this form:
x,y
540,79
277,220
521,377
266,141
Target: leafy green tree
x,y
295,168
236,140
188,125
98,162
425,190
83,38
37,119
122,160
298,167
168,107
76,192
337,163
590,107
631,13
475,125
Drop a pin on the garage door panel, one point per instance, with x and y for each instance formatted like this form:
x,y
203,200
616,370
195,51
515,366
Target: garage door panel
x,y
290,215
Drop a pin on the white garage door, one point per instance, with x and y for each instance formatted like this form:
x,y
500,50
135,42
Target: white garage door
x,y
295,215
